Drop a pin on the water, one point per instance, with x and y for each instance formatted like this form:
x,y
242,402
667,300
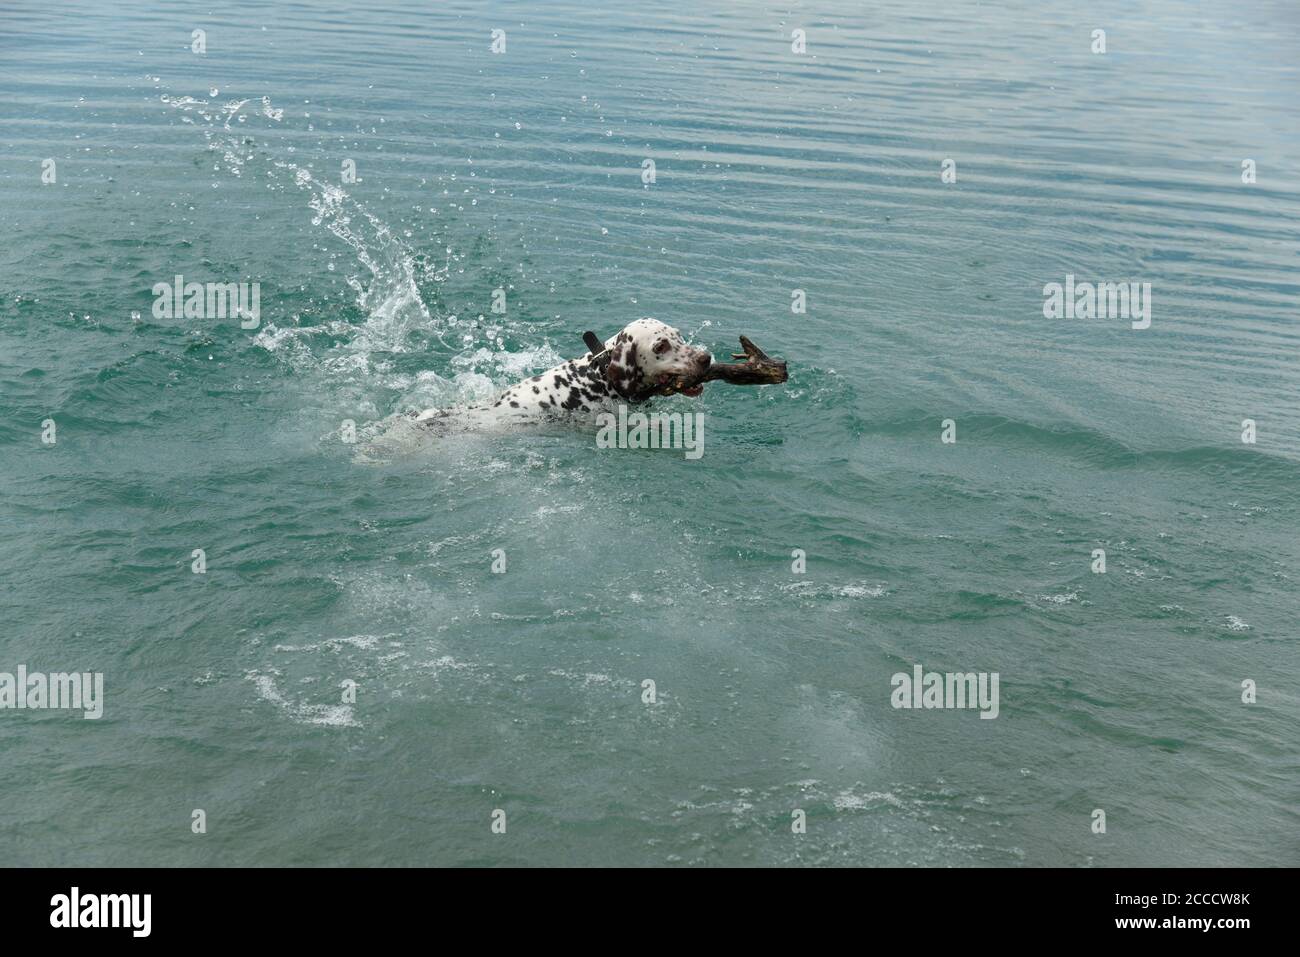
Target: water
x,y
523,691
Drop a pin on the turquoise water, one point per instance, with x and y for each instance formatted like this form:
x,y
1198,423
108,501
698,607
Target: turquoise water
x,y
522,691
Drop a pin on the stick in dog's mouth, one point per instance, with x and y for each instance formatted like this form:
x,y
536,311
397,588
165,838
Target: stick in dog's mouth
x,y
667,385
758,369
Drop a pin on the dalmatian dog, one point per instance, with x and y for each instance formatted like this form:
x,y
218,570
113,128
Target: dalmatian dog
x,y
647,358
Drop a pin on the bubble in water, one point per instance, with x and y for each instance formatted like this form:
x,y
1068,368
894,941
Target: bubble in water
x,y
213,92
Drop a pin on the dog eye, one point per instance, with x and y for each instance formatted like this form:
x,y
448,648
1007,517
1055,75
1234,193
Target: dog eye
x,y
661,347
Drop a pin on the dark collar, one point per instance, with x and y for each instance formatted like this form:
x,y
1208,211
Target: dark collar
x,y
599,354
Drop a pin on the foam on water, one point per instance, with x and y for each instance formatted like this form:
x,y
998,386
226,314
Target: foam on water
x,y
387,292
305,712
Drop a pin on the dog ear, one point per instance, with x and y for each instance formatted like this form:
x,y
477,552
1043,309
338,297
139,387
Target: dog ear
x,y
622,373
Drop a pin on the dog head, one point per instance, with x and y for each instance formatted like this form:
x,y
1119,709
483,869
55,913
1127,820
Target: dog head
x,y
651,358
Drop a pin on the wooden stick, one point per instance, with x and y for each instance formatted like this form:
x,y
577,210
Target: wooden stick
x,y
758,368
